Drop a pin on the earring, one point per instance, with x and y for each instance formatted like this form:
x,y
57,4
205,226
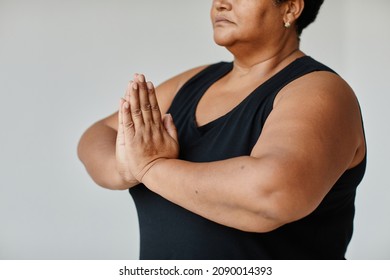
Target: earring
x,y
287,25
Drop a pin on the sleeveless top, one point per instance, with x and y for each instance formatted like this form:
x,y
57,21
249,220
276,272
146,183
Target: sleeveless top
x,y
168,231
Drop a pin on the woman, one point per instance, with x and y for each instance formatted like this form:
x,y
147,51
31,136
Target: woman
x,y
271,146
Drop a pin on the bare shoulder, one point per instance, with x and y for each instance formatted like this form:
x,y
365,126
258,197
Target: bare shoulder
x,y
168,89
311,137
326,101
322,84
323,95
319,110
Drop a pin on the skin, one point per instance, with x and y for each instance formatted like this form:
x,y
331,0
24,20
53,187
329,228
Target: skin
x,y
315,126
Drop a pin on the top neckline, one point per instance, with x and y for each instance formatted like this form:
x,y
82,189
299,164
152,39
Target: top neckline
x,y
224,72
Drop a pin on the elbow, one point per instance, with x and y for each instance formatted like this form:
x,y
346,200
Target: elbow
x,y
80,153
281,209
262,225
261,222
82,148
91,165
260,217
257,222
270,210
264,221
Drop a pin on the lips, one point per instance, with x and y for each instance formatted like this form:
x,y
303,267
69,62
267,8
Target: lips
x,y
222,19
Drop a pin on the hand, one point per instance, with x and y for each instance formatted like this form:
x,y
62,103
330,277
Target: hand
x,y
120,151
148,138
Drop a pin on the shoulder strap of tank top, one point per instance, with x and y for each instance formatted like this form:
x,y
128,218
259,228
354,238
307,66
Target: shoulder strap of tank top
x,y
195,85
298,68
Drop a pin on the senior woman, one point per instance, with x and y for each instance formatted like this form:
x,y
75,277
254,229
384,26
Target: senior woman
x,y
258,158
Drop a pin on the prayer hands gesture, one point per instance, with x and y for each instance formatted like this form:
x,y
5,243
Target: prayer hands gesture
x,y
144,137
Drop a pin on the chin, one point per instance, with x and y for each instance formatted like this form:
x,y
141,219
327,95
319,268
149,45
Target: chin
x,y
223,41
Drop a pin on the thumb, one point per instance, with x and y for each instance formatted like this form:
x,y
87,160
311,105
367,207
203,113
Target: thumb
x,y
120,139
170,126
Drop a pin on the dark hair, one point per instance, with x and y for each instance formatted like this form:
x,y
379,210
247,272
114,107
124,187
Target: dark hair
x,y
309,13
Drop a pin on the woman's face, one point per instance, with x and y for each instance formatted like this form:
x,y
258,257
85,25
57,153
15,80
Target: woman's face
x,y
257,22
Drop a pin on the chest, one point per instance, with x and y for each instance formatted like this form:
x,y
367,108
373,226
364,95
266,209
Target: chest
x,y
222,97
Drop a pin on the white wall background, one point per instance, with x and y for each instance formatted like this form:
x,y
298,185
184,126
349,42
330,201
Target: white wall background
x,y
64,65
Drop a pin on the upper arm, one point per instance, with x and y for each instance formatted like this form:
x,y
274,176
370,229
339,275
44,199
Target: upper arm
x,y
165,93
310,138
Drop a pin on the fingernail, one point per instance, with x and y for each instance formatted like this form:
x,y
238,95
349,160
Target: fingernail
x,y
135,86
141,78
126,105
150,85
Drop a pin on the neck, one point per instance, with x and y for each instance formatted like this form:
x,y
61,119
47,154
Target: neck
x,y
265,60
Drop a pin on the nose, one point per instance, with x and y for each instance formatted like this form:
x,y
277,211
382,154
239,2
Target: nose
x,y
221,5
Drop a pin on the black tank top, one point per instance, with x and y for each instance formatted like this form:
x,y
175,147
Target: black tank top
x,y
168,231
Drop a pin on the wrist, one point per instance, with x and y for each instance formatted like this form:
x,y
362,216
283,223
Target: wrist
x,y
145,173
120,182
123,179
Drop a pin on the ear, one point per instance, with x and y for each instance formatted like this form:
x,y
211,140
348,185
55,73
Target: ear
x,y
292,10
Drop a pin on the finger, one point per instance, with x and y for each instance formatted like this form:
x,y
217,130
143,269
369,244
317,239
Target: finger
x,y
144,100
156,114
134,108
128,91
128,123
170,127
135,79
120,137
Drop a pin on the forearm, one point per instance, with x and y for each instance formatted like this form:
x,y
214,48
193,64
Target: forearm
x,y
96,150
226,192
